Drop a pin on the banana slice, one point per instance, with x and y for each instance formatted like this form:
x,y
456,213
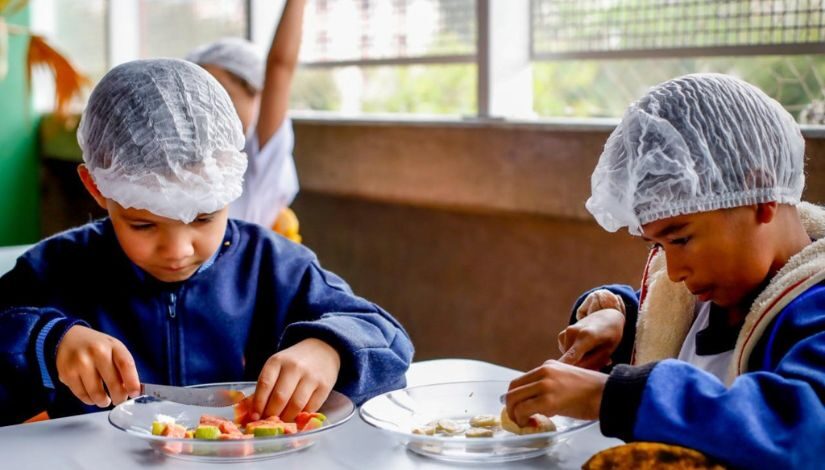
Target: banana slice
x,y
448,426
479,432
537,423
484,421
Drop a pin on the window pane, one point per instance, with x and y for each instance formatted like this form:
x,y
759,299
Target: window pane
x,y
171,28
337,30
425,89
604,88
76,28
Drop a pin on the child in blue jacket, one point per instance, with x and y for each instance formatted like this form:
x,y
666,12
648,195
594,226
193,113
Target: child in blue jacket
x,y
167,289
723,348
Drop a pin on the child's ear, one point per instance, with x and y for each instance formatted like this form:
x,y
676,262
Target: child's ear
x,y
90,185
766,211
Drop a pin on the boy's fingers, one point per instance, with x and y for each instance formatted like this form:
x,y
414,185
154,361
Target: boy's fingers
x,y
76,386
93,384
281,393
266,382
527,408
125,364
583,344
529,377
595,359
523,392
565,338
108,372
299,400
319,396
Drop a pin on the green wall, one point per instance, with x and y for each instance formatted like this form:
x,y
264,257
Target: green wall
x,y
19,187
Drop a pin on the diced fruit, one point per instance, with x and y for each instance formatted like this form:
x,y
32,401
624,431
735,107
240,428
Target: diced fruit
x,y
313,423
243,411
303,417
157,428
174,430
189,435
207,432
267,430
212,420
250,428
234,437
228,427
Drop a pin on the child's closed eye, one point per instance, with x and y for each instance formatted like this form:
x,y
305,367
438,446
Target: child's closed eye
x,y
141,226
680,241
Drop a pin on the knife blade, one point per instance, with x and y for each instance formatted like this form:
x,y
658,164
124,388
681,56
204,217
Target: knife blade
x,y
193,396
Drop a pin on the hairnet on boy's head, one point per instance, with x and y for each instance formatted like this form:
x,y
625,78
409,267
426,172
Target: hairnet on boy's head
x,y
696,143
163,135
236,55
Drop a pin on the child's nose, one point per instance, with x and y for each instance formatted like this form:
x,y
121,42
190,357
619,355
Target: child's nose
x,y
177,248
677,271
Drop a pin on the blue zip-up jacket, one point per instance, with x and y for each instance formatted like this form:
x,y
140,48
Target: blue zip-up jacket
x,y
259,294
771,414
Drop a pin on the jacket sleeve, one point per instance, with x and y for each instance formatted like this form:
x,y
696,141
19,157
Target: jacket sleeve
x,y
375,350
624,351
29,335
772,418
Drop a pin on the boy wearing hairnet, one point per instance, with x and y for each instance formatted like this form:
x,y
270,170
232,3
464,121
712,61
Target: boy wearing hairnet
x,y
260,93
167,289
723,348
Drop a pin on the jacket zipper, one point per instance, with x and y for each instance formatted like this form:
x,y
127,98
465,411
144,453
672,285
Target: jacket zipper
x,y
172,339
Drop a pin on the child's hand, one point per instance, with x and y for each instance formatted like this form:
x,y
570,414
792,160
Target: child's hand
x,y
599,300
87,360
556,389
589,342
296,379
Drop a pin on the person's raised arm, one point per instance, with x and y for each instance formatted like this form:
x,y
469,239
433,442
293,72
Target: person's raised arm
x,y
281,63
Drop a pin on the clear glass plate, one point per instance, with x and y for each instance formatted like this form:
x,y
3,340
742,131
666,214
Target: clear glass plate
x,y
135,417
400,411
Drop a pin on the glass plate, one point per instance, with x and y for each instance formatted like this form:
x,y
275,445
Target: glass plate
x,y
400,411
135,416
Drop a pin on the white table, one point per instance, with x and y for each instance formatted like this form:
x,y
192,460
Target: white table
x,y
90,442
8,256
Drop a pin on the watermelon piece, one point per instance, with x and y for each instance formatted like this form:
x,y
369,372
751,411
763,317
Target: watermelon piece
x,y
234,437
228,427
174,430
303,417
243,412
212,420
313,423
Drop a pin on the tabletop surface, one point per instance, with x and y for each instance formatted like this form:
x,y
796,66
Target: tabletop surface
x,y
90,442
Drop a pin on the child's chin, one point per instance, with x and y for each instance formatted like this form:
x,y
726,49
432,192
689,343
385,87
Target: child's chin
x,y
173,276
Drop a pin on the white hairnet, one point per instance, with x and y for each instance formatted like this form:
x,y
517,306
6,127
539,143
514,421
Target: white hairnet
x,y
236,55
696,143
163,135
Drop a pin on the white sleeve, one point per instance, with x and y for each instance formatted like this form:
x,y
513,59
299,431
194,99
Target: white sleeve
x,y
271,181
